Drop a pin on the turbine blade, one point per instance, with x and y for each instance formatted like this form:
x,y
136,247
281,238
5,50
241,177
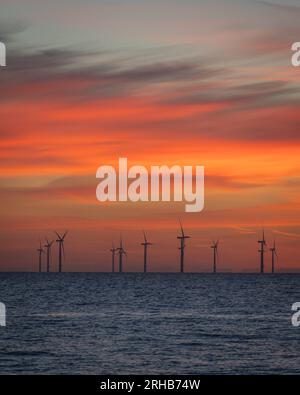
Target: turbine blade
x,y
58,235
182,232
145,238
65,234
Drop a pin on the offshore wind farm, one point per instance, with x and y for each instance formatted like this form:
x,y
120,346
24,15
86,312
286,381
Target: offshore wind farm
x,y
121,253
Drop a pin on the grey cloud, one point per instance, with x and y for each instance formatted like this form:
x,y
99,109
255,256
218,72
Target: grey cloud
x,y
9,30
34,73
280,7
242,96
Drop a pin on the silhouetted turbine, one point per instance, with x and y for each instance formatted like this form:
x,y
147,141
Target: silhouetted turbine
x,y
145,244
113,253
182,247
214,246
262,252
121,253
48,246
61,249
40,251
274,256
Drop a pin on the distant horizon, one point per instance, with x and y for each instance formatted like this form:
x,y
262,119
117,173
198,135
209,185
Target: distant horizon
x,y
292,271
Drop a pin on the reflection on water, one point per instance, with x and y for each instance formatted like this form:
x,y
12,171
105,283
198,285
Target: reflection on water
x,y
98,323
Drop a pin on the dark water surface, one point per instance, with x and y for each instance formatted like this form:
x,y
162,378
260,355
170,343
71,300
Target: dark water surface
x,y
100,323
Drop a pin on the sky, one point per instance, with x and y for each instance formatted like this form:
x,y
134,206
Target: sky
x,y
163,82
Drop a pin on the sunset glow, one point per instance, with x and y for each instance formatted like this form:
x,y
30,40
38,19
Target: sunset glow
x,y
181,87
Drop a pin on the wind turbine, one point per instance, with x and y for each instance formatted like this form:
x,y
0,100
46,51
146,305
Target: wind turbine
x,y
48,246
182,247
274,256
262,252
40,251
145,244
214,246
113,251
121,253
61,249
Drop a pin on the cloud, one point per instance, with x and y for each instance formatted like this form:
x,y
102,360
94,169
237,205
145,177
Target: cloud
x,y
237,96
230,183
168,94
280,7
10,29
291,181
244,230
289,235
73,74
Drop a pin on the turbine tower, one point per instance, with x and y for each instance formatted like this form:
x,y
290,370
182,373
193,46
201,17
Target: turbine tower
x,y
274,256
262,252
182,247
40,251
48,246
145,244
113,251
61,249
215,245
121,253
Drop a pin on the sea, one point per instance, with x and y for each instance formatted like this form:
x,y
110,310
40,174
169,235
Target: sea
x,y
153,323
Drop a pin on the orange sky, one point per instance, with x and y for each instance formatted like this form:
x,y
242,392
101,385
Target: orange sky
x,y
226,98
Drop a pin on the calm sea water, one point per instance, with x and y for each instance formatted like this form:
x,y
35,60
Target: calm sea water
x,y
101,323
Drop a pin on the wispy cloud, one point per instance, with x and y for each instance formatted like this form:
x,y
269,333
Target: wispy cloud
x,y
289,235
246,231
280,7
